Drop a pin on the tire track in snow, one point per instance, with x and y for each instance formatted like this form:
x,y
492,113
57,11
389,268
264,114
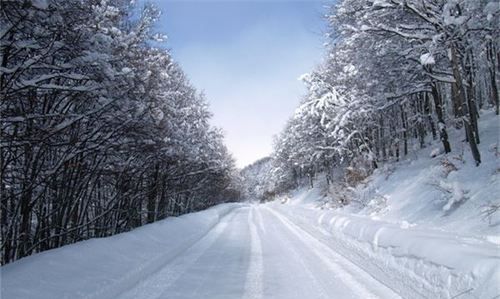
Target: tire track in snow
x,y
298,257
322,251
213,270
260,221
156,285
253,283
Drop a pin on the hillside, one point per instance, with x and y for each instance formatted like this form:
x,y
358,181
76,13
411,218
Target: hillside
x,y
428,188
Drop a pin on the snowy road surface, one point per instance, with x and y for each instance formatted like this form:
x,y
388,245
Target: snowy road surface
x,y
261,251
254,252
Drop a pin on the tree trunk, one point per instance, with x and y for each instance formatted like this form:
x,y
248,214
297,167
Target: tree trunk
x,y
443,135
427,108
404,122
465,115
491,57
151,206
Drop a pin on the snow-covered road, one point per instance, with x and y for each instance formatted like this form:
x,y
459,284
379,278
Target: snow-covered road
x,y
255,252
262,251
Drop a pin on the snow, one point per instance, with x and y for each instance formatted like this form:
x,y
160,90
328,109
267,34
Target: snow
x,y
457,196
436,152
158,115
438,264
365,28
306,77
493,239
420,221
491,9
103,268
427,59
449,16
230,251
13,119
272,250
416,231
253,281
382,3
40,4
446,191
126,70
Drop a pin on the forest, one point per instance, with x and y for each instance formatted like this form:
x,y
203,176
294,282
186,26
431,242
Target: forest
x,y
101,131
118,181
397,74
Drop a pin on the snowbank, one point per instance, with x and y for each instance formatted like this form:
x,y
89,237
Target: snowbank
x,y
415,262
423,223
444,191
428,188
105,267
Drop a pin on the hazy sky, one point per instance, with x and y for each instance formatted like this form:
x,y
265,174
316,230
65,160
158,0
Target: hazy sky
x,y
246,56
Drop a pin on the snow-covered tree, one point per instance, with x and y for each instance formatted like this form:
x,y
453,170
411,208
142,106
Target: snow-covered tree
x,y
100,131
398,72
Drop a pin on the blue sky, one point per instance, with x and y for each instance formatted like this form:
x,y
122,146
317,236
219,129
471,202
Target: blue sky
x,y
246,56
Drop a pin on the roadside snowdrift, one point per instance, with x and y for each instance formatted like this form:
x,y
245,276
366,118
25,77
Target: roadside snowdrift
x,y
421,224
415,262
445,191
103,268
429,189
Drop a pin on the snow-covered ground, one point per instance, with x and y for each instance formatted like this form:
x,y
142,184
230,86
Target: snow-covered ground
x,y
428,189
446,191
424,225
415,262
231,251
106,267
415,229
263,251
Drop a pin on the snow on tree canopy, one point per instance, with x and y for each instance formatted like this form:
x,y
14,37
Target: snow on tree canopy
x,y
427,59
90,95
382,3
40,4
491,9
451,16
